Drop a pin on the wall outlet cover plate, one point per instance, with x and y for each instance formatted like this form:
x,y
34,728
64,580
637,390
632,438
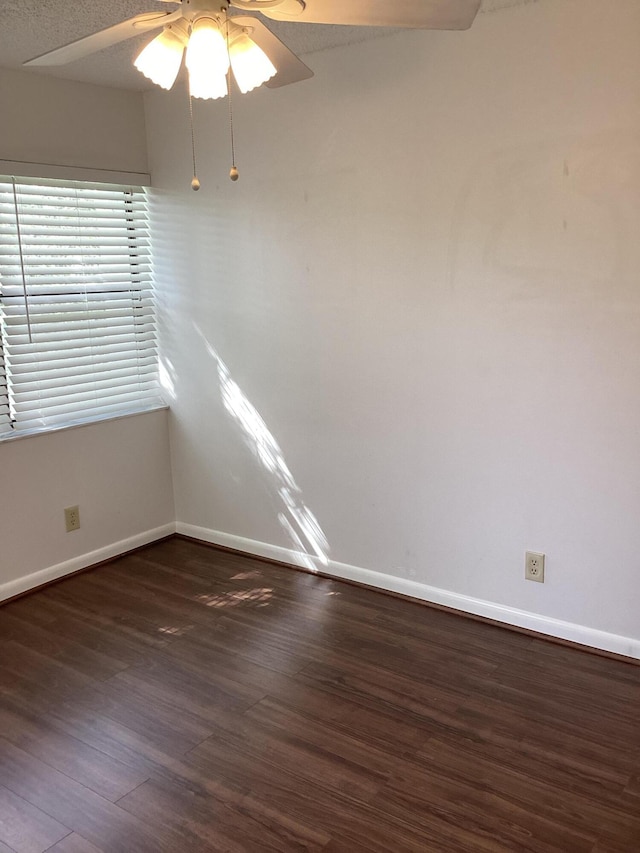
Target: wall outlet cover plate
x,y
72,518
534,566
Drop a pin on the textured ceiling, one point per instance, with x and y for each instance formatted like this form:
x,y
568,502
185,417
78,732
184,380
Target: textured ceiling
x,y
31,27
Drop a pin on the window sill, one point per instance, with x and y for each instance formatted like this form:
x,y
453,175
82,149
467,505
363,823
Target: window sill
x,y
32,433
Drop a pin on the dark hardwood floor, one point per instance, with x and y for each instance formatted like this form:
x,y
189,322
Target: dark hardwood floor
x,y
187,699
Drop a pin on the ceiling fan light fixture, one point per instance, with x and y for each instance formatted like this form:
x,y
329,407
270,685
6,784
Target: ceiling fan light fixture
x,y
251,65
207,87
160,60
207,60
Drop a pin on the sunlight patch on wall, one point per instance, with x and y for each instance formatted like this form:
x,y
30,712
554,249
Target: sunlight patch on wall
x,y
296,519
167,378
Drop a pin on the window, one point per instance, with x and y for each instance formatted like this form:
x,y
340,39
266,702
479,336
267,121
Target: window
x,y
77,327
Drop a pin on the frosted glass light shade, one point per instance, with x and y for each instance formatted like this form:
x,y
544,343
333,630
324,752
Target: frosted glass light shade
x,y
251,65
207,60
207,87
160,60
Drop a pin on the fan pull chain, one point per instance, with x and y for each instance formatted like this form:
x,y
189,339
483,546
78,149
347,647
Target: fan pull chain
x,y
195,183
233,172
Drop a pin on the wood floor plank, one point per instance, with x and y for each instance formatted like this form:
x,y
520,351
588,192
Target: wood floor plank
x,y
535,716
568,658
293,756
564,804
76,807
43,671
633,787
74,843
427,798
204,821
24,827
185,698
106,776
432,708
325,739
277,649
51,642
35,608
90,632
319,805
565,765
202,680
150,625
150,714
126,746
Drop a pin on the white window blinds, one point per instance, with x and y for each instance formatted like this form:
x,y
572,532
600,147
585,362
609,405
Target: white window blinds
x,y
77,328
4,391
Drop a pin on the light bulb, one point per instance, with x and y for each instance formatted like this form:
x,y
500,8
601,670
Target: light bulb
x,y
160,60
251,65
207,60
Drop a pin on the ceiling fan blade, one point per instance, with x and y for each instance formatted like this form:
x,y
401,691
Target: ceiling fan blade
x,y
290,68
105,38
412,14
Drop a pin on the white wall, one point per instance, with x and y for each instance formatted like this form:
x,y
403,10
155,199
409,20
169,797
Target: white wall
x,y
61,122
118,472
426,283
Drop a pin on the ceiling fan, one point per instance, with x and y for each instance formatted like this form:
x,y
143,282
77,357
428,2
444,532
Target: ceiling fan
x,y
198,25
218,42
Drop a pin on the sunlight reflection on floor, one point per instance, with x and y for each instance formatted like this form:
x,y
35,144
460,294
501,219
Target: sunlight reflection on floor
x,y
174,630
261,597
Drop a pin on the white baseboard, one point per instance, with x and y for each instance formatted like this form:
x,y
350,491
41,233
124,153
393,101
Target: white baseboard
x,y
115,549
581,634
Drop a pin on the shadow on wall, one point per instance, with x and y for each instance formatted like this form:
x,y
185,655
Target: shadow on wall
x,y
301,526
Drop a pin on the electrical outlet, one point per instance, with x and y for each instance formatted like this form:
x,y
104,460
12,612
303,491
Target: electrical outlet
x,y
72,518
534,567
